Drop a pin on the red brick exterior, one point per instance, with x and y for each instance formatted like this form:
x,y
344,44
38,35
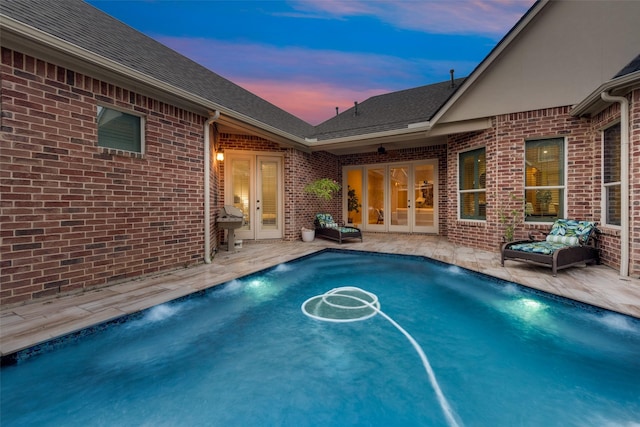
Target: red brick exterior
x,y
75,215
505,151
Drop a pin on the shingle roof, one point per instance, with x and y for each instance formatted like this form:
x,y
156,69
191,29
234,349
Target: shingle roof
x,y
631,67
87,27
390,111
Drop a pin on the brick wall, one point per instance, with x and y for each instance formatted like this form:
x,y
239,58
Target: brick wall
x,y
505,151
77,216
634,180
611,235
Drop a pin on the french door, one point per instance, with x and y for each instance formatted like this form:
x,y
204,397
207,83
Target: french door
x,y
254,184
400,197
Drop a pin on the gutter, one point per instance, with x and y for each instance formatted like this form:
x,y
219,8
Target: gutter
x,y
52,42
588,104
624,178
207,186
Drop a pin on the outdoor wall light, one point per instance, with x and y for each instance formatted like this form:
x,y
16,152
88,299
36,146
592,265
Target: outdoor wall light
x,y
220,155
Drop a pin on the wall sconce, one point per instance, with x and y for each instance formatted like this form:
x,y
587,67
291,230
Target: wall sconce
x,y
382,150
220,154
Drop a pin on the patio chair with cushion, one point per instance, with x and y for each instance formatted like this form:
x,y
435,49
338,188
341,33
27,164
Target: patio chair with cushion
x,y
327,227
569,242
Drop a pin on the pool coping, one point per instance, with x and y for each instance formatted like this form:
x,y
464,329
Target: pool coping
x,y
20,355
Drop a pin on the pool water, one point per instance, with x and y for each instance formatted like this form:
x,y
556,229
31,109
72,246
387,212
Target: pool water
x,y
244,354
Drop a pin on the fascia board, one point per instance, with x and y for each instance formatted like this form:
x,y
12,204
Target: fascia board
x,y
52,42
461,127
486,63
590,104
365,139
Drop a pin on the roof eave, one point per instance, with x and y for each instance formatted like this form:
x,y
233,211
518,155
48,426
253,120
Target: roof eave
x,y
9,25
412,130
594,103
489,59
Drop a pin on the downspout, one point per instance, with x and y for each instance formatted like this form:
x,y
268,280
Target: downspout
x,y
624,178
207,186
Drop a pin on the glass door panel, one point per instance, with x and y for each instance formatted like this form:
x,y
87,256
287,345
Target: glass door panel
x,y
400,198
241,188
354,197
375,198
268,199
254,185
423,195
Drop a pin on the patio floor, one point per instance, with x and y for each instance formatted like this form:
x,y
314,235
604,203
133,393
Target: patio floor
x,y
26,325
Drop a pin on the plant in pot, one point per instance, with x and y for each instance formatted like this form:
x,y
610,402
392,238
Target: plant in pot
x,y
353,204
323,189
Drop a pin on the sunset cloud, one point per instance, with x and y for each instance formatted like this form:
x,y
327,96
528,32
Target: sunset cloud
x,y
487,17
311,83
309,57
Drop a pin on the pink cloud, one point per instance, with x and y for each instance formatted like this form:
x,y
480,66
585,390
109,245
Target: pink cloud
x,y
312,103
489,17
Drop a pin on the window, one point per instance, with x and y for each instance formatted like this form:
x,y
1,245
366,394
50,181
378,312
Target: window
x,y
544,180
119,130
472,184
611,181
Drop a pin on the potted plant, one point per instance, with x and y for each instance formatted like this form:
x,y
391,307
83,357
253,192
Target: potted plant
x,y
353,204
324,189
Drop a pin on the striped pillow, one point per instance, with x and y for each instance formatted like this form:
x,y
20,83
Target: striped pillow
x,y
567,240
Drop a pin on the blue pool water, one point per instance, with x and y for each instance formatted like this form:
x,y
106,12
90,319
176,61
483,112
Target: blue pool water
x,y
244,354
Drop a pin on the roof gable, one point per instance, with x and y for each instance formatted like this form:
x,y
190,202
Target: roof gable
x,y
556,55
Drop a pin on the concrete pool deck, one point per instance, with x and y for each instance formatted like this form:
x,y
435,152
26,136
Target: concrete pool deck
x,y
27,325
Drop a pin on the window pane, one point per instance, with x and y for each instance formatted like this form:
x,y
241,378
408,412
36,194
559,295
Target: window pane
x,y
354,196
375,195
544,168
118,130
543,205
614,205
473,167
399,194
241,188
269,211
473,205
544,163
611,172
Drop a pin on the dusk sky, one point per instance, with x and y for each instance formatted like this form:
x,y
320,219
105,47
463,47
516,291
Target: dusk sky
x,y
309,57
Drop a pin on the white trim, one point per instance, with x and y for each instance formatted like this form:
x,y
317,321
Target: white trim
x,y
143,123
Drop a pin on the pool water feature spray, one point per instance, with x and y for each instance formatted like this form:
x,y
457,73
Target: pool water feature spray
x,y
352,304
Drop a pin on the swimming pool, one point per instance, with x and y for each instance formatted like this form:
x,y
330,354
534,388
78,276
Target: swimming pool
x,y
245,354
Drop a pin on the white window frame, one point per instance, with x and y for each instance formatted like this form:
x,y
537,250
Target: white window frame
x,y
607,185
565,178
474,190
129,113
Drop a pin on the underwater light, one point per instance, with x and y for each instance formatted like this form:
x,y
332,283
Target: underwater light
x,y
531,304
256,283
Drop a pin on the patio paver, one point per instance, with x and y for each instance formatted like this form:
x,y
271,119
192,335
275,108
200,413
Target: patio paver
x,y
27,325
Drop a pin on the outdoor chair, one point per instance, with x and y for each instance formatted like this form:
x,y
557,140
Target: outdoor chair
x,y
569,242
328,228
